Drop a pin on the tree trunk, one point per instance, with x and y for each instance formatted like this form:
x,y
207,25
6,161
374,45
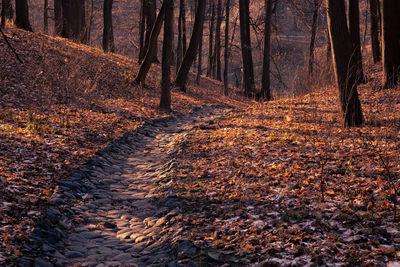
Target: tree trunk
x,y
376,49
211,39
199,69
142,22
344,62
108,36
181,49
226,51
266,82
314,27
191,52
7,12
152,48
247,59
165,101
217,60
148,17
390,42
354,30
46,16
74,20
22,15
58,19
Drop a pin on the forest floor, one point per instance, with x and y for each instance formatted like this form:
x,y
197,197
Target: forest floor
x,y
276,183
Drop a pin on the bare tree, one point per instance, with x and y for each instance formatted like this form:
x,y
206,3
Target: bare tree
x,y
165,101
74,20
247,59
226,44
211,38
314,28
390,42
217,57
354,30
265,81
22,15
108,36
58,19
344,63
181,49
191,52
152,48
374,12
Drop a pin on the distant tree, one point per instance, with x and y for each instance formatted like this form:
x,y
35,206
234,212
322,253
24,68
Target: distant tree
x,y
108,36
314,28
165,101
181,49
265,81
200,58
217,57
74,20
390,42
147,21
22,15
374,13
211,38
6,12
344,62
151,53
354,30
247,59
46,16
58,17
191,52
226,47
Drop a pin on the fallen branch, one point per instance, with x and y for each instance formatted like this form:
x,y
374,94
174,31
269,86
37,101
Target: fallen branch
x,y
10,46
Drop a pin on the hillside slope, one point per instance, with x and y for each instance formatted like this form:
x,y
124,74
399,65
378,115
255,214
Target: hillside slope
x,y
61,105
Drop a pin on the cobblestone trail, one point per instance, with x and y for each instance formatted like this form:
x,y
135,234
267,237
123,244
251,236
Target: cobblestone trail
x,y
109,212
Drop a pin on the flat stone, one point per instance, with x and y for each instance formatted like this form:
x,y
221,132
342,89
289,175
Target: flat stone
x,y
122,257
39,262
90,235
73,254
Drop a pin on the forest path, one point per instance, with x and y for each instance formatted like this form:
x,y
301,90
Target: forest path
x,y
110,212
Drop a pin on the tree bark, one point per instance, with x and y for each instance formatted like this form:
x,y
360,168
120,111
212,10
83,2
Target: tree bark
x,y
152,48
390,42
354,30
148,17
344,62
22,15
58,19
46,16
181,49
74,20
217,60
108,35
374,13
7,12
211,39
314,27
266,82
247,59
191,52
200,58
165,101
226,51
142,27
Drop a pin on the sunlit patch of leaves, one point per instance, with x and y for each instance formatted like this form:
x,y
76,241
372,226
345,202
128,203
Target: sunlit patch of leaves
x,y
285,180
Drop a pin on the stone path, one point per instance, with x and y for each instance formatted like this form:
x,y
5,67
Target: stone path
x,y
109,212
